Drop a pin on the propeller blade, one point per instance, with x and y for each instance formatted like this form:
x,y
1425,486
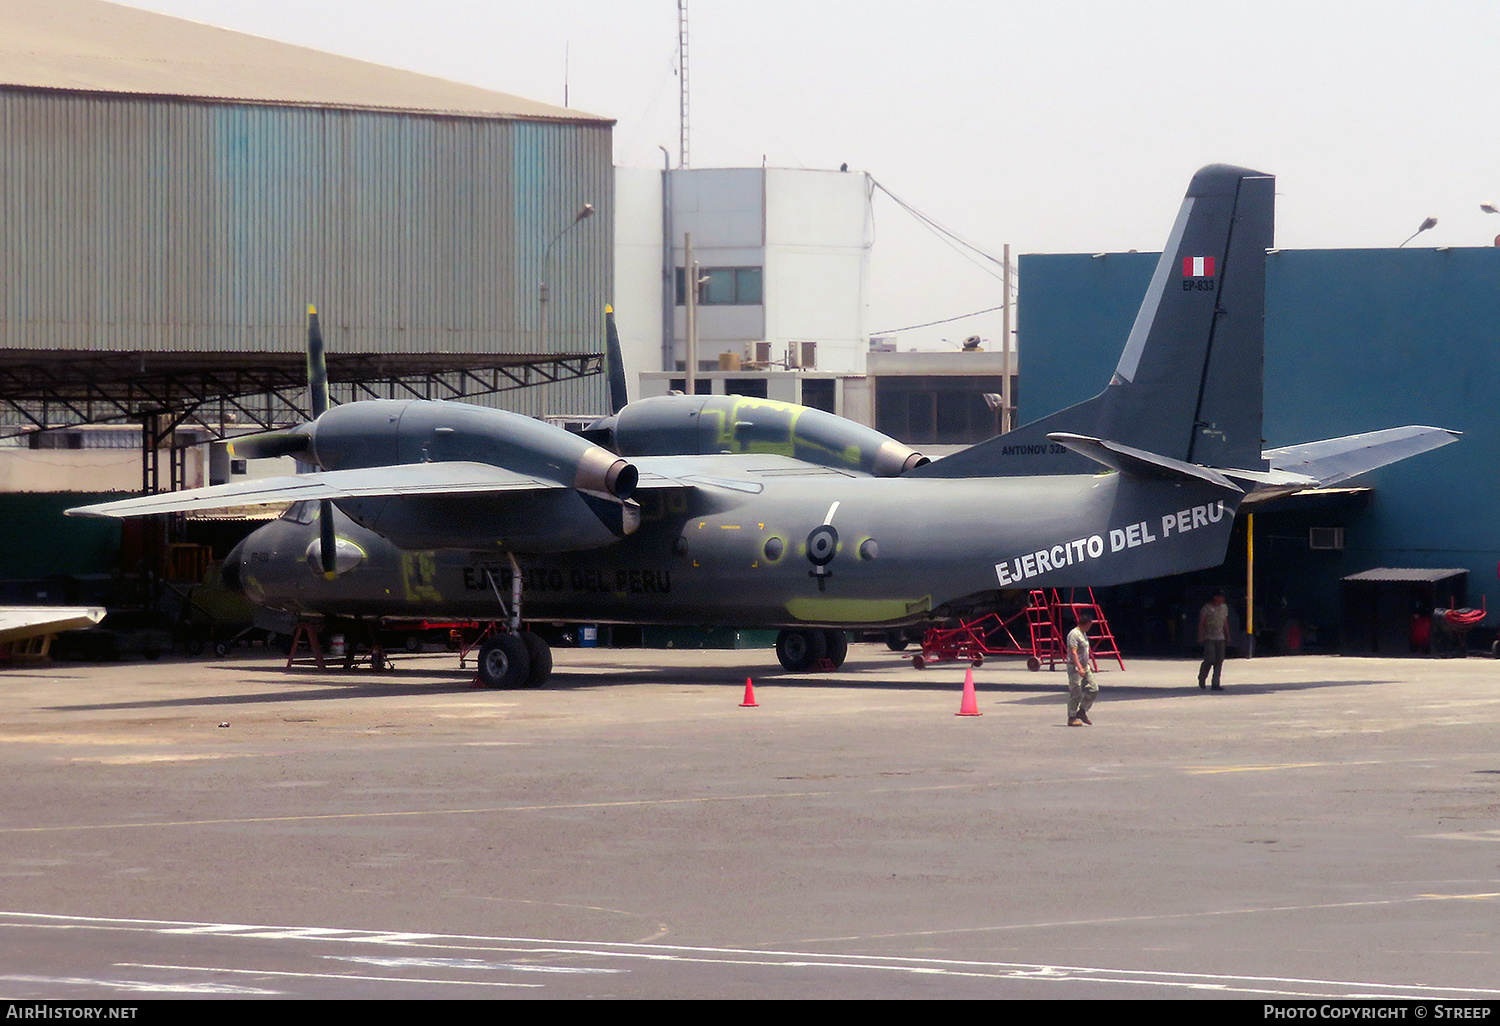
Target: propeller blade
x,y
327,544
317,389
615,362
262,445
317,365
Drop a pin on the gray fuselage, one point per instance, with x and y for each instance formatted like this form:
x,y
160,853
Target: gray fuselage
x,y
753,549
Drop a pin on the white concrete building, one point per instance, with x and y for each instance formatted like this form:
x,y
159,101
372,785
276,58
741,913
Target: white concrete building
x,y
786,255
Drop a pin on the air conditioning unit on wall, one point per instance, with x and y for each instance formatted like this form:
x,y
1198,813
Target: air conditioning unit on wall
x,y
1326,538
802,354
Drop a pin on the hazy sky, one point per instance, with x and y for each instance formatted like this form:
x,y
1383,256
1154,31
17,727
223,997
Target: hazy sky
x,y
1053,125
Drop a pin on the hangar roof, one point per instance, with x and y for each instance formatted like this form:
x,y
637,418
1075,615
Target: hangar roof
x,y
92,46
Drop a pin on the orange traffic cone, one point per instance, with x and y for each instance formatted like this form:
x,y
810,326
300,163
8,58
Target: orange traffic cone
x,y
749,702
970,705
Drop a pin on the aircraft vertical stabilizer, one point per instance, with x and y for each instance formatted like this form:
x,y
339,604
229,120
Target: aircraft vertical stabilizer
x,y
1188,383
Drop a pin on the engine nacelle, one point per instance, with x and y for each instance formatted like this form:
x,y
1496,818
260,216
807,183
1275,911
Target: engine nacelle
x,y
679,425
559,520
384,432
590,511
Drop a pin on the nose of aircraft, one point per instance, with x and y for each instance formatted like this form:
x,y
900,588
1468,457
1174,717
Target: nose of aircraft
x,y
229,573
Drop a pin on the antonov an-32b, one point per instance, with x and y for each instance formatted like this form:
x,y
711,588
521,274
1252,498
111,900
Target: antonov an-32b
x,y
734,511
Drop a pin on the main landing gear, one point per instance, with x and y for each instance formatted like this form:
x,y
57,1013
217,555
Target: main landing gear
x,y
510,657
811,649
518,659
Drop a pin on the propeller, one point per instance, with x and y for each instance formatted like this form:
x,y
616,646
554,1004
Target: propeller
x,y
294,441
602,431
297,441
317,387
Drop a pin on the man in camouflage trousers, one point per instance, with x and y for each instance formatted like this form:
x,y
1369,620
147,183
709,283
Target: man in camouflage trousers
x,y
1082,690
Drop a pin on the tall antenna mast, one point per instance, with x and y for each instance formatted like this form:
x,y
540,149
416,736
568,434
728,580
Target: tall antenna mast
x,y
682,83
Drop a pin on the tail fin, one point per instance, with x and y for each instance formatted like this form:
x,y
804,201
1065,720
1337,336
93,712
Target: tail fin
x,y
1188,384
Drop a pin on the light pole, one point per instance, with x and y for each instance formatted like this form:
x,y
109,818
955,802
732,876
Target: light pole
x,y
692,281
586,212
1430,222
668,268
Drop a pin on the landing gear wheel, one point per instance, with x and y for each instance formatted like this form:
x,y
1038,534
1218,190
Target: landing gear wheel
x,y
896,641
837,643
540,654
221,649
503,662
800,651
412,642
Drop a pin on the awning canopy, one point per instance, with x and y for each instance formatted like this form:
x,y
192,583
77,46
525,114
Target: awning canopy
x,y
53,388
1408,575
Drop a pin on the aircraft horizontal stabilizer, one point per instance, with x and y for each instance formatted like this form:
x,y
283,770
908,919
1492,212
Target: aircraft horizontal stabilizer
x,y
1335,460
1138,462
446,478
1271,478
1292,468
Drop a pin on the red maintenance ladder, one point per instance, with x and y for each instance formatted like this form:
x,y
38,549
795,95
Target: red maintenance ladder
x,y
1061,613
1047,619
1045,629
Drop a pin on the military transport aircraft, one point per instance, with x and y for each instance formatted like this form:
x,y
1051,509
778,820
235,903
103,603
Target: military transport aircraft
x,y
734,511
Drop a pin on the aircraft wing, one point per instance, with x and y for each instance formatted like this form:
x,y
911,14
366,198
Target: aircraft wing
x,y
20,622
735,472
445,478
740,472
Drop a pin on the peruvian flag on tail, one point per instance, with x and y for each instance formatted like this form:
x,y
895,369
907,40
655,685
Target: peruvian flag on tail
x,y
1198,267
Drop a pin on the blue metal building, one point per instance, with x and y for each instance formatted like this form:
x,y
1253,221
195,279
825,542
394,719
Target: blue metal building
x,y
1356,340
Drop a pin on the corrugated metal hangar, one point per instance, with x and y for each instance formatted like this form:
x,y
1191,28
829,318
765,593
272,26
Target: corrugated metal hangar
x,y
175,195
1356,340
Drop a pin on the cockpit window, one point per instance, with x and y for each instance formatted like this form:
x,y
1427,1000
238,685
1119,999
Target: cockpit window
x,y
301,512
